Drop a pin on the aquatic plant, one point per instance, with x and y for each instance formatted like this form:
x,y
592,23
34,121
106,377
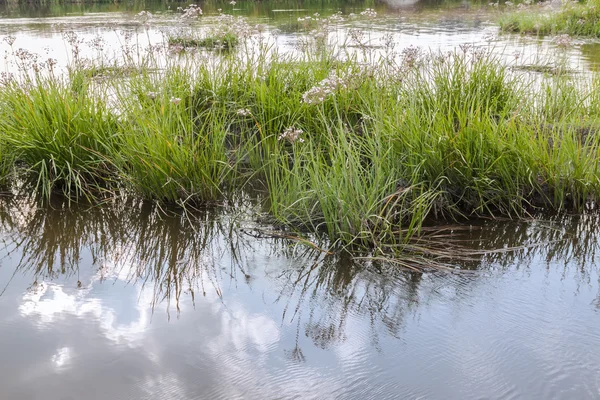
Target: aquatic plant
x,y
170,151
61,134
363,147
572,18
224,33
227,41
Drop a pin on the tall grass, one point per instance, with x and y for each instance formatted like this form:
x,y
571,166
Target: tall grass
x,y
61,133
171,149
573,18
365,153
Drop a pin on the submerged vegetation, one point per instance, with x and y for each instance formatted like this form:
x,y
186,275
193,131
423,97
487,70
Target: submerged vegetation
x,y
364,145
571,18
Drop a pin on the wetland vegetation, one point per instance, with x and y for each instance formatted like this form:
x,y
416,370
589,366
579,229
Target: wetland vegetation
x,y
205,203
554,18
351,139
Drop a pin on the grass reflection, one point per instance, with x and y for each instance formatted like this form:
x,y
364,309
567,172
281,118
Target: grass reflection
x,y
133,241
179,255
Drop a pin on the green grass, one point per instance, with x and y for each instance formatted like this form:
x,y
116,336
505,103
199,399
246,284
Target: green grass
x,y
362,154
226,41
171,149
61,133
575,19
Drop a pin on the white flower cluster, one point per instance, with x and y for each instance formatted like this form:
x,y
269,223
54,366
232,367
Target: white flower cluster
x,y
357,36
292,135
190,12
6,78
369,12
243,112
337,17
97,43
27,59
237,26
412,54
51,62
144,16
319,27
325,88
563,41
176,49
10,40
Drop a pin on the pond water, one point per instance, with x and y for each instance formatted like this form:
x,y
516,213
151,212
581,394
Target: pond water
x,y
121,301
429,25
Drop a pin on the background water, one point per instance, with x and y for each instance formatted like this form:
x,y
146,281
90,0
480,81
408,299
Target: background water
x,y
431,25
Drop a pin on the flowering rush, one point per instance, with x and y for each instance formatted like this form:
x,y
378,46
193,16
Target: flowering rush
x,y
369,12
292,135
191,11
325,88
244,112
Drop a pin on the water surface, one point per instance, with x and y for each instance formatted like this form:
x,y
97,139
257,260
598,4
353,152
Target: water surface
x,y
429,25
123,302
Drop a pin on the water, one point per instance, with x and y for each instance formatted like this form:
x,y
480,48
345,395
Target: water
x,y
122,302
430,25
119,302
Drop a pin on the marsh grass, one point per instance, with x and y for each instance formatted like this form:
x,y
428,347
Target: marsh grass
x,y
364,154
573,18
110,71
61,133
227,41
225,32
171,151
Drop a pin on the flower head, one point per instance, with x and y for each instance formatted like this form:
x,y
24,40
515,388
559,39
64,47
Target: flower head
x,y
563,41
191,11
10,40
369,13
325,88
292,135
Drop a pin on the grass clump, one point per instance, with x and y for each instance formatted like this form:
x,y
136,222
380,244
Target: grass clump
x,y
61,133
361,152
227,41
572,18
225,33
170,150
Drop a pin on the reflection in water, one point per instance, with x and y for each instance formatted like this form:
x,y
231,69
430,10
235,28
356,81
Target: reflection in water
x,y
566,240
134,242
272,314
